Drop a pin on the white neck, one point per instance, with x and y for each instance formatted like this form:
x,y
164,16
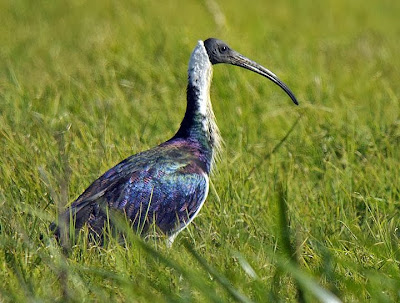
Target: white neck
x,y
200,76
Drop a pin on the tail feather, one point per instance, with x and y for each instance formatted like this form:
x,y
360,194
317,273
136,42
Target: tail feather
x,y
78,215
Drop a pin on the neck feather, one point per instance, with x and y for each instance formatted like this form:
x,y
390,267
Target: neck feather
x,y
199,122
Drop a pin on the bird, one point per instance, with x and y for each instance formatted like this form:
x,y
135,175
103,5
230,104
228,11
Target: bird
x,y
166,186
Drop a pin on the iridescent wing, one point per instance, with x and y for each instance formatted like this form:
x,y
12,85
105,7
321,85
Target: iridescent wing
x,y
168,195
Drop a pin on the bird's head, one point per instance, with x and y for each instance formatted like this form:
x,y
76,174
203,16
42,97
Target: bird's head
x,y
219,52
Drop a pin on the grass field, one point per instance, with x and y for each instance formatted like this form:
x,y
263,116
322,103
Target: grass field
x,y
85,84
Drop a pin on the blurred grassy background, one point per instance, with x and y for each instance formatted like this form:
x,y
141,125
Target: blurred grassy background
x,y
84,84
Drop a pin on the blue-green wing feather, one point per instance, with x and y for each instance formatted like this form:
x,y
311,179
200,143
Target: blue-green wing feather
x,y
165,186
167,200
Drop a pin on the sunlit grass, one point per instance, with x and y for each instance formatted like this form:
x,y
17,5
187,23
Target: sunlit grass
x,y
305,217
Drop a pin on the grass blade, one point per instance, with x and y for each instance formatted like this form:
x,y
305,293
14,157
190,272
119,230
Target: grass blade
x,y
239,297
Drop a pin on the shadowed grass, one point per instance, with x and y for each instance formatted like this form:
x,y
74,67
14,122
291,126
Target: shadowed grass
x,y
84,84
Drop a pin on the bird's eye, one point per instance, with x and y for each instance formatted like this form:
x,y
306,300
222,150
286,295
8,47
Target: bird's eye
x,y
223,48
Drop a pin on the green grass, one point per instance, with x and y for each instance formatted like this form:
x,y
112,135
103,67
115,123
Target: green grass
x,y
85,84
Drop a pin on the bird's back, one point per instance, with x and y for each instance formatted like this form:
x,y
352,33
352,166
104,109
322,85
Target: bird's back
x,y
164,186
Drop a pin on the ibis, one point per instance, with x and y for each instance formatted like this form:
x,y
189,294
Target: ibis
x,y
166,186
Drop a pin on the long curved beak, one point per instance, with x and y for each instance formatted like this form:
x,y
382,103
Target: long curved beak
x,y
240,60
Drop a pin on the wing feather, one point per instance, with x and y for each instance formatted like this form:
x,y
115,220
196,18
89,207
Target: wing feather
x,y
168,195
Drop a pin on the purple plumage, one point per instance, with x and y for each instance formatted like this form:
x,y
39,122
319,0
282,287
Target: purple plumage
x,y
164,186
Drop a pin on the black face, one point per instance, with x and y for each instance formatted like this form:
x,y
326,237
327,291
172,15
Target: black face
x,y
219,52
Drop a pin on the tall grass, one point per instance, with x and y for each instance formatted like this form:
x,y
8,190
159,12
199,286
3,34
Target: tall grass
x,y
300,210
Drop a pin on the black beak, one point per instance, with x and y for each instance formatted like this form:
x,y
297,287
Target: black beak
x,y
240,60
